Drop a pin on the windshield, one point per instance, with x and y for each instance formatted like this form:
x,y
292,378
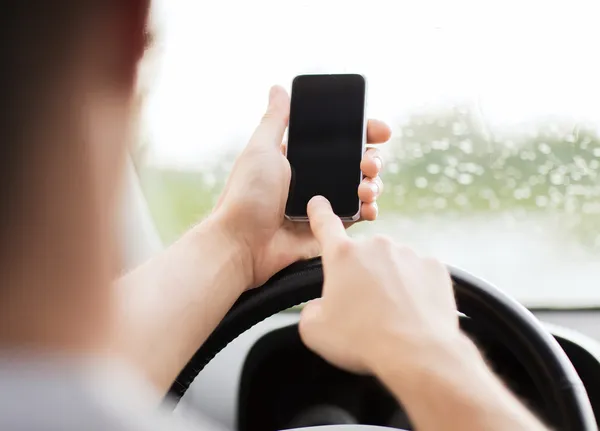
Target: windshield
x,y
494,161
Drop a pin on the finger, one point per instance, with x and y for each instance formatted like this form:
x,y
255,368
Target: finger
x,y
284,147
369,212
370,189
371,163
311,318
275,120
378,132
325,225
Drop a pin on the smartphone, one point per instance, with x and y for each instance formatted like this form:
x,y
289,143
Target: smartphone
x,y
326,142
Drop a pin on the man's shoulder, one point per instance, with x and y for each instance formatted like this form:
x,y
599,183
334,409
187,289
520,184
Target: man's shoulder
x,y
68,397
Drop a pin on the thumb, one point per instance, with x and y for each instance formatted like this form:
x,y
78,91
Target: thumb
x,y
311,320
275,120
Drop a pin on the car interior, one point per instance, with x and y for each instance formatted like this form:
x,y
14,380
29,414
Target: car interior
x,y
257,374
493,166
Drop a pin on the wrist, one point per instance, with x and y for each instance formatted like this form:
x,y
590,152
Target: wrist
x,y
447,384
216,233
423,360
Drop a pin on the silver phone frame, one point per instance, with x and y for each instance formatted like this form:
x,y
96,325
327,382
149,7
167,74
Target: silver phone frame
x,y
356,216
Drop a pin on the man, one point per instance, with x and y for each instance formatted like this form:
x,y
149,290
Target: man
x,y
67,87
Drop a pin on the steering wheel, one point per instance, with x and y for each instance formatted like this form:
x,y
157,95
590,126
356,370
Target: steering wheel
x,y
564,397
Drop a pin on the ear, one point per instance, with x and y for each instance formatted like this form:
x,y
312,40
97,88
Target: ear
x,y
140,11
135,33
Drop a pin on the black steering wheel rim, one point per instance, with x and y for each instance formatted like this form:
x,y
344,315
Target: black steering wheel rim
x,y
551,370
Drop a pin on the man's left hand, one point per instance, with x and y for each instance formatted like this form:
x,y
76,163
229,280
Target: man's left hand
x,y
252,206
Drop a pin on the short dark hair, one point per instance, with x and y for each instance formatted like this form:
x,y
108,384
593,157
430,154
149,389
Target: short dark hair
x,y
37,46
33,41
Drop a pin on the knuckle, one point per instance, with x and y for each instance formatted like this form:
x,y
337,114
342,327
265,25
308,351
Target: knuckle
x,y
407,252
305,331
272,115
379,183
383,242
303,325
431,261
311,321
374,153
343,248
306,319
434,264
266,118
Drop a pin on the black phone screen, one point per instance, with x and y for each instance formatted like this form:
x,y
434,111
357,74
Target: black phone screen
x,y
325,142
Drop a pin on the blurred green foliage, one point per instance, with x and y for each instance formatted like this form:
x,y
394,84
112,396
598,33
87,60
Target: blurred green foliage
x,y
177,199
445,163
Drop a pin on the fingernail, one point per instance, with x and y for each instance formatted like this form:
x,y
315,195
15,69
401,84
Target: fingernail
x,y
374,188
378,163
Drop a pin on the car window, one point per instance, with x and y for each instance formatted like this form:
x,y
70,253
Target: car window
x,y
494,161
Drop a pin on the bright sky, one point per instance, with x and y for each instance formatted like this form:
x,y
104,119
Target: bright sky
x,y
217,59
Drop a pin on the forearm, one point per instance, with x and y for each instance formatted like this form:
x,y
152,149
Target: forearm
x,y
171,304
451,388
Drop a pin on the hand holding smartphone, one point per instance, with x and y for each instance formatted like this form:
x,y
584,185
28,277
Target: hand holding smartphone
x,y
326,141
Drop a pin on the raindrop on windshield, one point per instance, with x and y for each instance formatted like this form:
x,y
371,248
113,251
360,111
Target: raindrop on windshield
x,y
421,182
522,193
544,148
465,179
466,146
434,169
541,201
557,178
459,128
450,172
440,144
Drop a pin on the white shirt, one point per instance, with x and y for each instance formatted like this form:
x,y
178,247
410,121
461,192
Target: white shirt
x,y
59,394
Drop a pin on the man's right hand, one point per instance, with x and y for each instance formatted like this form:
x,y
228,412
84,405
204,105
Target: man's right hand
x,y
375,293
389,312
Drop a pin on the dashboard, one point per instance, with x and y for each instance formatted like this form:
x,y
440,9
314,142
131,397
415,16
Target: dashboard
x,y
267,380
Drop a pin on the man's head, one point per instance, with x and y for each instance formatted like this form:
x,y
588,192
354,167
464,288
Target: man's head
x,y
67,90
